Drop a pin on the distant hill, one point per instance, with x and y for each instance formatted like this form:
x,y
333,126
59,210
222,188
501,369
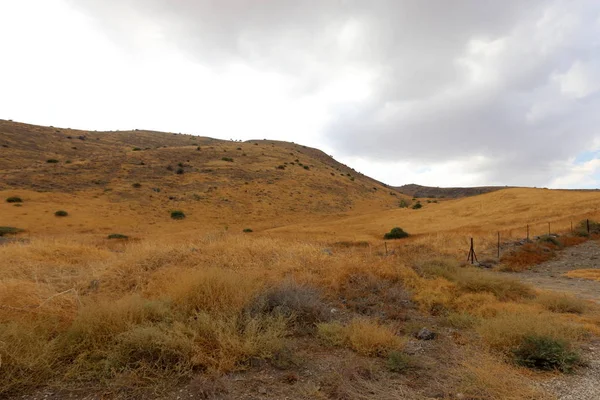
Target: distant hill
x,y
440,192
144,174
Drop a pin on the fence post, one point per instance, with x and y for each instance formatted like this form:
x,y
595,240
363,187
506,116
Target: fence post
x,y
498,245
472,257
385,244
587,222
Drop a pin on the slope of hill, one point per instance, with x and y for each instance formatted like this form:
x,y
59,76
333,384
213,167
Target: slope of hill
x,y
134,178
310,305
445,192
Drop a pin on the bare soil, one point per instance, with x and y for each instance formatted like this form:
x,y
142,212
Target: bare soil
x,y
551,274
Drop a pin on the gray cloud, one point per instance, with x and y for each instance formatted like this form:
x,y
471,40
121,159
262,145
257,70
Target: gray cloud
x,y
514,82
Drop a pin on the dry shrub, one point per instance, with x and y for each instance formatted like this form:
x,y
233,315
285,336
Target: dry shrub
x,y
211,290
26,357
528,255
61,264
224,343
505,289
363,336
370,294
592,274
506,331
568,241
562,303
28,301
301,304
446,268
154,351
461,320
434,296
484,377
362,381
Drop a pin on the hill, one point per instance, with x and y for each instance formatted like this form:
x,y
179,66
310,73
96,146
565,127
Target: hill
x,y
442,192
133,178
312,303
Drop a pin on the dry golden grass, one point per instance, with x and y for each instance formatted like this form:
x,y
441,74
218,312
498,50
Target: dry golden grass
x,y
592,274
363,336
181,297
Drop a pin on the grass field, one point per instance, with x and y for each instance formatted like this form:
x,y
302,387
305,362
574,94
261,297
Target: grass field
x,y
310,296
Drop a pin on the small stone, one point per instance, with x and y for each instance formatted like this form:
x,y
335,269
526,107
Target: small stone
x,y
262,390
425,334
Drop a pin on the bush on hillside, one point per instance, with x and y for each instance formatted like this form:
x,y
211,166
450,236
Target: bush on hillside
x,y
396,233
403,203
417,205
248,230
117,236
137,185
546,353
61,213
9,230
581,228
228,159
51,161
14,199
177,214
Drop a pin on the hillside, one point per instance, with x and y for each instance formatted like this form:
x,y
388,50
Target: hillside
x,y
445,192
312,304
218,183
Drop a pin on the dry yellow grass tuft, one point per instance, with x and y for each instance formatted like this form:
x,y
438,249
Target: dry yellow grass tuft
x,y
592,274
361,335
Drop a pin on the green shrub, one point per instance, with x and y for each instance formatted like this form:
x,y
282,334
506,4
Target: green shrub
x,y
248,230
137,185
179,171
9,230
403,203
550,239
51,161
228,159
117,236
581,228
399,362
177,214
396,233
417,205
281,167
137,149
546,353
61,213
14,199
306,167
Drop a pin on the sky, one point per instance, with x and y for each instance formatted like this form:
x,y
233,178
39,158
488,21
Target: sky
x,y
440,93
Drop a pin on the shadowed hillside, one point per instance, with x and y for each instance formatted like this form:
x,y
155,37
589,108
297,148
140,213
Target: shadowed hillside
x,y
444,192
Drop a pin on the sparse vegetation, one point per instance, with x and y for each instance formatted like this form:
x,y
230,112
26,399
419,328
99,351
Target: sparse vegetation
x,y
177,214
137,185
228,159
137,149
417,205
546,353
14,199
248,230
61,213
403,203
52,161
117,236
396,233
9,230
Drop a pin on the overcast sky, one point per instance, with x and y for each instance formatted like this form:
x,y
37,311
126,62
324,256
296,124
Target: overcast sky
x,y
441,93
